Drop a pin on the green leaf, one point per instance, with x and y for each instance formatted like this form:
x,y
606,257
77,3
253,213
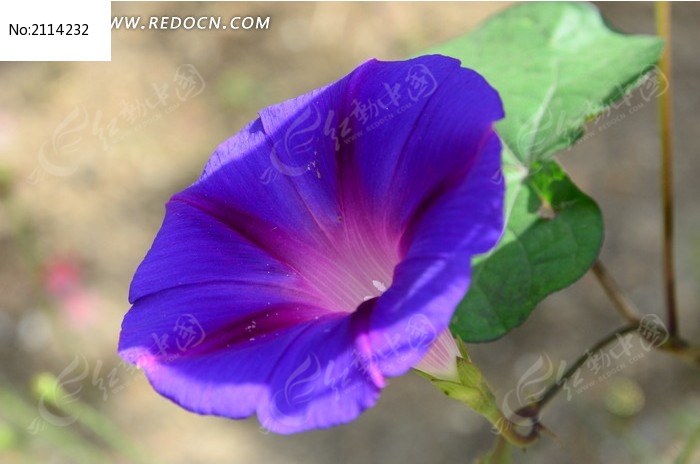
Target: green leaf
x,y
553,235
555,65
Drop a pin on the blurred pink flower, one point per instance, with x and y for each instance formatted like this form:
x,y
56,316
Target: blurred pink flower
x,y
64,282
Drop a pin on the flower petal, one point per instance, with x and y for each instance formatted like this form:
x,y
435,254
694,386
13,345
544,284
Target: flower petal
x,y
297,370
427,175
193,246
434,275
324,247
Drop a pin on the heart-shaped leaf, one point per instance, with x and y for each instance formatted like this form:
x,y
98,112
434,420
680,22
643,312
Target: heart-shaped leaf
x,y
555,65
552,236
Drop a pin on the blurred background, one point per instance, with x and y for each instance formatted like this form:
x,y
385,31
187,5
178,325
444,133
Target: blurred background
x,y
90,152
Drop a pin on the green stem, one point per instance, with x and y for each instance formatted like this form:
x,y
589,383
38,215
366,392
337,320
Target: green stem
x,y
48,388
663,27
500,453
690,447
63,440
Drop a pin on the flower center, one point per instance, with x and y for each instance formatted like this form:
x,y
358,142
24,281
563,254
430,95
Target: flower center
x,y
356,266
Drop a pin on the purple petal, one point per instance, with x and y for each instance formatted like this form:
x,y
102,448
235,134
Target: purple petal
x,y
324,247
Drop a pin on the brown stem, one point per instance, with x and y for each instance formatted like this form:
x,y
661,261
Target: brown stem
x,y
533,410
509,431
663,26
623,304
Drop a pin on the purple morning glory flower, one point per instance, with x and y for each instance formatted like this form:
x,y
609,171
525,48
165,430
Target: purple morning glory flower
x,y
323,249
